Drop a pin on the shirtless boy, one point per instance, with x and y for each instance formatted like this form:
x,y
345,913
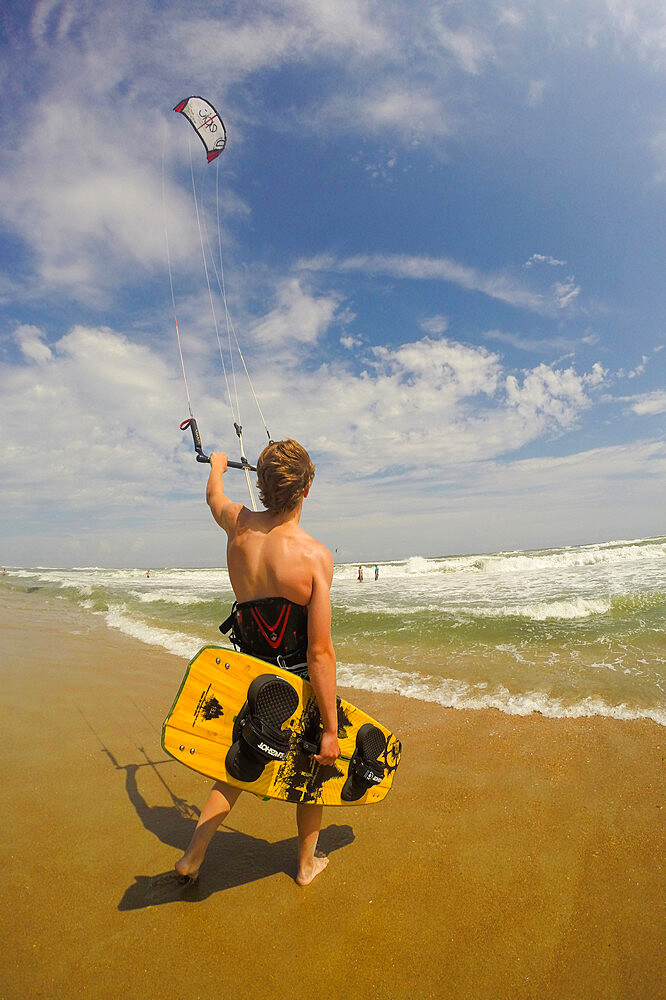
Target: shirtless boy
x,y
270,556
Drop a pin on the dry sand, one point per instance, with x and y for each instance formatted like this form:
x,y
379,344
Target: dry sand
x,y
514,857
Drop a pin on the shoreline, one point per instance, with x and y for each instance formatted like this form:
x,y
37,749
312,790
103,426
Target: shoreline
x,y
475,682
516,856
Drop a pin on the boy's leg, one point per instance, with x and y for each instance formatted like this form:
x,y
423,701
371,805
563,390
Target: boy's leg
x,y
308,819
217,808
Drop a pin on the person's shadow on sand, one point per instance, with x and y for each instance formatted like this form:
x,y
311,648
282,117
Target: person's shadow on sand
x,y
233,858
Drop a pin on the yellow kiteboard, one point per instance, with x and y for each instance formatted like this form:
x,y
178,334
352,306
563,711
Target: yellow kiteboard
x,y
242,720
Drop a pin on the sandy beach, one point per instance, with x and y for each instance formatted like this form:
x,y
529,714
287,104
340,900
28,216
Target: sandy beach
x,y
515,856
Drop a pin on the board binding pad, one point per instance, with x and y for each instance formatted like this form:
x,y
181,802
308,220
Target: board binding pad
x,y
246,722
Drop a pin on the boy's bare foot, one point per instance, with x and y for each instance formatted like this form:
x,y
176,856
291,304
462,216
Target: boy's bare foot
x,y
188,872
168,886
310,872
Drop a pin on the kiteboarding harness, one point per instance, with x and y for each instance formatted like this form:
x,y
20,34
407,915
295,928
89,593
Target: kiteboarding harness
x,y
272,629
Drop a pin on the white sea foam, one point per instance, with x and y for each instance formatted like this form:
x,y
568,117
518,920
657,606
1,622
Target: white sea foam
x,y
171,597
448,692
592,555
460,695
607,553
578,607
174,642
416,564
376,607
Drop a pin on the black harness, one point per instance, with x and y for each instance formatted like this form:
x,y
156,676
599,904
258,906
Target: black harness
x,y
272,629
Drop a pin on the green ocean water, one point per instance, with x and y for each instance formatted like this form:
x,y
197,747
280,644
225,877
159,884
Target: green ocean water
x,y
569,631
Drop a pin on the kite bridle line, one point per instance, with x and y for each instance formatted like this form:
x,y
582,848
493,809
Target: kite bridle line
x,y
244,464
230,326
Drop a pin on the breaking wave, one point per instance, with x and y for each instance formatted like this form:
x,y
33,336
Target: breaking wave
x,y
462,695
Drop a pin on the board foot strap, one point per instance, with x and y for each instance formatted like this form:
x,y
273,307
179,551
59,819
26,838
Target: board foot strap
x,y
365,768
258,736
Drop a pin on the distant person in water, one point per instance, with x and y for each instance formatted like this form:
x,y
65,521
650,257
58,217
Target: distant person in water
x,y
148,573
360,574
270,556
376,572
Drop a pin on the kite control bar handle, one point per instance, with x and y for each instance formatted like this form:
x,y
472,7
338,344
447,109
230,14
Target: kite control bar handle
x,y
201,455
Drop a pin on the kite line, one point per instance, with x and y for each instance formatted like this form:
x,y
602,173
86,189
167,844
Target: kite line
x,y
211,130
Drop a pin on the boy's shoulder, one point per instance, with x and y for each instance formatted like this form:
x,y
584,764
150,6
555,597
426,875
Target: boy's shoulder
x,y
320,555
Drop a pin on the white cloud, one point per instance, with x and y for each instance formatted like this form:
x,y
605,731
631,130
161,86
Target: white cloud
x,y
404,110
498,285
298,316
435,325
658,145
249,46
98,412
470,370
470,48
101,414
432,403
548,397
535,92
397,110
347,24
541,344
32,342
540,258
96,214
649,404
294,31
566,292
639,369
57,13
593,495
102,411
642,25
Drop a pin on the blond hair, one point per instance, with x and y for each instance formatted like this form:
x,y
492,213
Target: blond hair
x,y
284,473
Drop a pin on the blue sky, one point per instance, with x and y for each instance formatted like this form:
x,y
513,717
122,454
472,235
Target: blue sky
x,y
442,227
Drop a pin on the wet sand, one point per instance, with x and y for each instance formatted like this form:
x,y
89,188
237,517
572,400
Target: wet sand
x,y
515,857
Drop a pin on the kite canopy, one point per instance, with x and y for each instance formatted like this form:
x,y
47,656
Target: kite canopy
x,y
206,122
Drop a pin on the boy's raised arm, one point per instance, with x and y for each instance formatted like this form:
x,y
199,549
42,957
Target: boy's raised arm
x,y
224,510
